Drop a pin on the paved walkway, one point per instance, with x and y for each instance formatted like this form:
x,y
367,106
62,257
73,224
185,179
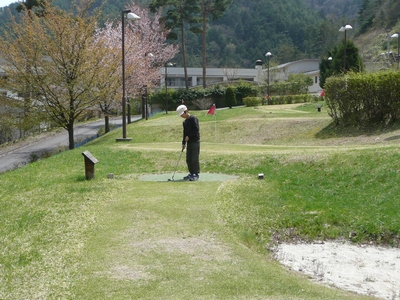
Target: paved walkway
x,y
23,152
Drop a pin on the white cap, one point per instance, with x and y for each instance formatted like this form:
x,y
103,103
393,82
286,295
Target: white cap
x,y
181,109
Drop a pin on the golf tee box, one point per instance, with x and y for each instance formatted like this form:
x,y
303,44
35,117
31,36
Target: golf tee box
x,y
90,161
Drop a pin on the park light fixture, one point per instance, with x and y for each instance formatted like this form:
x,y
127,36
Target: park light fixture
x,y
344,29
268,56
396,35
130,16
168,64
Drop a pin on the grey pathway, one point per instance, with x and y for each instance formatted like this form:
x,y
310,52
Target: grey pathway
x,y
20,154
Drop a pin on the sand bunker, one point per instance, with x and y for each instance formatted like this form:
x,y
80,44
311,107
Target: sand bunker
x,y
365,270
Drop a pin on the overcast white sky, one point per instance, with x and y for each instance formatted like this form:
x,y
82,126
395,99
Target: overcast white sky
x,y
6,2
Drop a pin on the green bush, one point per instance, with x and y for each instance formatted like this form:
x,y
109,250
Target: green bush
x,y
289,99
295,84
216,93
252,101
363,99
160,98
243,90
230,97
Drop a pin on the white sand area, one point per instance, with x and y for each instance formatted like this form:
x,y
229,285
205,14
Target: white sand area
x,y
362,269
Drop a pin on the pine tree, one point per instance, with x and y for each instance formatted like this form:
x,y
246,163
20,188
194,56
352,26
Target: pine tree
x,y
176,14
335,65
215,9
230,97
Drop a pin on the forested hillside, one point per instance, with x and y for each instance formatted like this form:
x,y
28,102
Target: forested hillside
x,y
249,28
290,30
347,10
378,14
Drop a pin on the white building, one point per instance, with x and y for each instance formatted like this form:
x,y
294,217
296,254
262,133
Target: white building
x,y
308,67
176,77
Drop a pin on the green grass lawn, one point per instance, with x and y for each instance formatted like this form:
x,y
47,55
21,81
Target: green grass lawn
x,y
62,237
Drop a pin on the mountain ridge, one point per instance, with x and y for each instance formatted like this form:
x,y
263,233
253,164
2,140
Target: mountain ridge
x,y
290,30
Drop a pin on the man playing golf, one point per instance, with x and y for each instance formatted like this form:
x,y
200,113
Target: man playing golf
x,y
191,140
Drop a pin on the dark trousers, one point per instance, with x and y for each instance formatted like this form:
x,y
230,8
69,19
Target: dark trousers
x,y
192,157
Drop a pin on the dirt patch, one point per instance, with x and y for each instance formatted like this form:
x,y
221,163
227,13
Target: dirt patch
x,y
208,251
195,248
368,270
127,273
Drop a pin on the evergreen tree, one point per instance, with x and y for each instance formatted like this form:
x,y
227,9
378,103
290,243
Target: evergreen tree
x,y
230,97
354,61
335,65
176,14
366,16
215,9
36,6
325,70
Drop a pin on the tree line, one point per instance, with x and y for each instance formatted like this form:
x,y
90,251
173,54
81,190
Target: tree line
x,y
291,29
235,33
64,66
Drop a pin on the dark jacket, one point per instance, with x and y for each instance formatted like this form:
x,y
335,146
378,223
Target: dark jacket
x,y
191,129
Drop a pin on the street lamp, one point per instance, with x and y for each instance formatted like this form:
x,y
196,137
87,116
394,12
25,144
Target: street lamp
x,y
168,64
396,35
129,16
268,56
345,28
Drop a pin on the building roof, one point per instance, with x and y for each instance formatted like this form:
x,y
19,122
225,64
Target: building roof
x,y
300,66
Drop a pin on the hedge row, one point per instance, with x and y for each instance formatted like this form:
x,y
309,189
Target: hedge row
x,y
362,99
216,94
293,99
245,93
255,101
252,101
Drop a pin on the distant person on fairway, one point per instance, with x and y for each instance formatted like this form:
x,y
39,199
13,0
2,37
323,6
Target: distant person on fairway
x,y
191,140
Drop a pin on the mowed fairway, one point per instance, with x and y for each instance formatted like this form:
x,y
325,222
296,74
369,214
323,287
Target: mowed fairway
x,y
62,237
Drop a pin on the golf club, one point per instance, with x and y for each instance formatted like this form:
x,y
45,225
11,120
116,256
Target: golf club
x,y
176,167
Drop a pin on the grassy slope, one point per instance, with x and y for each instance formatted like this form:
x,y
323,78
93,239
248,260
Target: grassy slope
x,y
64,237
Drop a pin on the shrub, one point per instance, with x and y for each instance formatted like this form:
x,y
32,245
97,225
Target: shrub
x,y
303,98
252,101
199,97
160,98
364,99
243,90
230,97
217,94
